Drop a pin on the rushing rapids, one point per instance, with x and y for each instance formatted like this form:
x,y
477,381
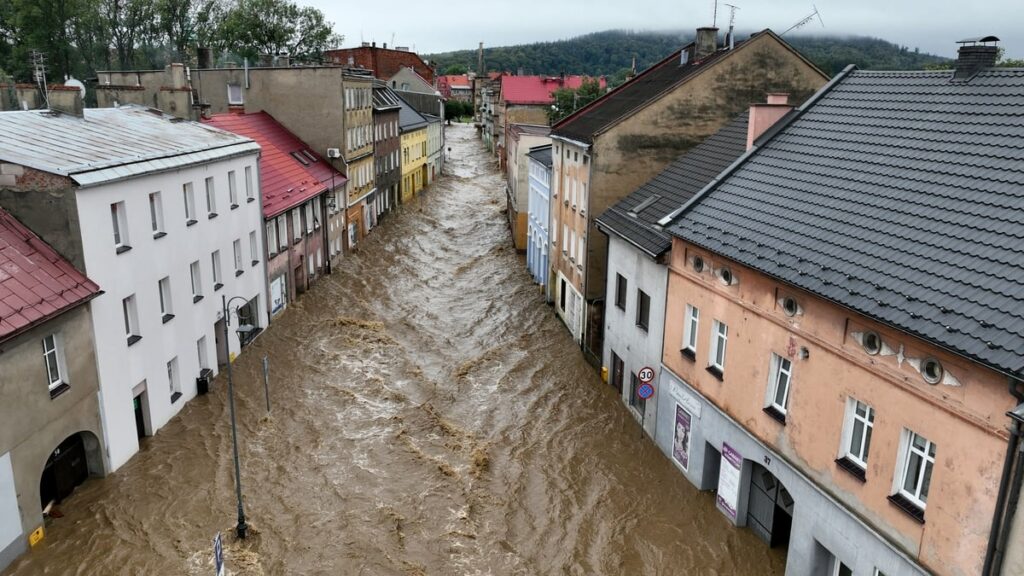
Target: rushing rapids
x,y
430,415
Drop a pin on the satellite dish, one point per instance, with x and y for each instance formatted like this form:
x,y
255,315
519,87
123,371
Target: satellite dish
x,y
72,82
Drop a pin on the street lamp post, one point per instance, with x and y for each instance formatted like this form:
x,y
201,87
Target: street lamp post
x,y
242,528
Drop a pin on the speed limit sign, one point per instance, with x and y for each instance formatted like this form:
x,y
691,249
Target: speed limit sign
x,y
645,375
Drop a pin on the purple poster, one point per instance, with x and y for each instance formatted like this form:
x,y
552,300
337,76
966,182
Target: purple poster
x,y
681,438
729,480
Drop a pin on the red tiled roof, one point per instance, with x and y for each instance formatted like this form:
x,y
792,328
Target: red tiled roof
x,y
538,89
284,181
36,283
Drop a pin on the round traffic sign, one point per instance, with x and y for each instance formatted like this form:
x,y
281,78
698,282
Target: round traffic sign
x,y
646,374
645,391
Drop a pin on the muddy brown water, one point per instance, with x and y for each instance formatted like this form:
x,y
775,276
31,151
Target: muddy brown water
x,y
430,416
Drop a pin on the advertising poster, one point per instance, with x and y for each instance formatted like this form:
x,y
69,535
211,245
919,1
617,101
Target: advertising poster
x,y
729,480
681,438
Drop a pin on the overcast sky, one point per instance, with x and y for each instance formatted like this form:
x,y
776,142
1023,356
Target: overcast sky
x,y
931,25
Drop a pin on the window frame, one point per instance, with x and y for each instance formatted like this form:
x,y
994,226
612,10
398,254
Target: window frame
x,y
643,310
57,353
163,287
173,379
849,426
719,342
130,312
232,190
907,451
691,328
156,214
211,198
189,194
197,281
119,223
780,366
621,288
249,196
215,266
638,404
236,248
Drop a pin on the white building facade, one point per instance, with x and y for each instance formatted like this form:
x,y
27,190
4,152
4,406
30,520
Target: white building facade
x,y
165,216
539,221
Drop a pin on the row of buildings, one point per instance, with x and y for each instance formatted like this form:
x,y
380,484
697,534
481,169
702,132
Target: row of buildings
x,y
823,289
144,243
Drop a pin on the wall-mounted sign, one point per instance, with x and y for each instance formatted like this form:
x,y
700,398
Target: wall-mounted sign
x,y
729,480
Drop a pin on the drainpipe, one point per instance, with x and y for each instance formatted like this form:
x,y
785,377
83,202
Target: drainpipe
x,y
1009,487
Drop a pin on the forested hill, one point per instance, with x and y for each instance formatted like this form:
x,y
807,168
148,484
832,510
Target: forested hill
x,y
611,54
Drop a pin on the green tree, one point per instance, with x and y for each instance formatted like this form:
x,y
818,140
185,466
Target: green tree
x,y
456,69
186,23
569,100
130,24
254,27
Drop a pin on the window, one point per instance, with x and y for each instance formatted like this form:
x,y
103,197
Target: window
x,y
272,236
643,309
53,360
620,292
719,337
579,258
131,320
120,224
282,232
857,427
166,309
235,95
173,382
156,215
237,247
690,330
635,400
201,350
316,213
309,217
297,224
190,204
779,380
232,189
197,282
211,199
254,248
618,370
249,197
215,265
571,244
915,476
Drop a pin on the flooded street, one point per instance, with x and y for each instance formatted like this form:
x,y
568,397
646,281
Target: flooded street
x,y
430,415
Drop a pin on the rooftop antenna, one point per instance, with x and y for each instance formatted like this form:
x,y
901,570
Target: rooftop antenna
x,y
39,74
806,20
714,14
732,22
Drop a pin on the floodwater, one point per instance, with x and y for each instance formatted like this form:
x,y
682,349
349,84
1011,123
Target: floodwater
x,y
430,416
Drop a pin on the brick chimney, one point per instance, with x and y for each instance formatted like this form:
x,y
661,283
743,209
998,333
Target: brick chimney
x,y
975,55
706,43
764,116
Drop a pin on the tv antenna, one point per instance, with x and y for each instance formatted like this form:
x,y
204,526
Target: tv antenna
x,y
732,22
714,13
39,74
806,20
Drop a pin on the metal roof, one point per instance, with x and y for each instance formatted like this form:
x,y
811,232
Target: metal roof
x,y
542,154
673,187
408,118
898,195
111,143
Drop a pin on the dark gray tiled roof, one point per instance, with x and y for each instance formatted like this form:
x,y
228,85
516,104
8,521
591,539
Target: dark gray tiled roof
x,y
899,195
408,117
673,187
541,154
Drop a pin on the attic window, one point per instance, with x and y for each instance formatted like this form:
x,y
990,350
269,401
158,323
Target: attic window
x,y
725,275
932,370
644,205
789,306
698,264
871,342
309,155
302,159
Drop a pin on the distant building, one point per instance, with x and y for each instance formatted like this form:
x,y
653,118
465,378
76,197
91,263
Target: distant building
x,y
413,129
51,433
522,138
384,62
842,355
616,143
456,87
407,80
164,215
435,152
297,188
538,220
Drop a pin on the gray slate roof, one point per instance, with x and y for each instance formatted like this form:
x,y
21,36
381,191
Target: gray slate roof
x,y
109,144
541,154
408,118
899,195
673,187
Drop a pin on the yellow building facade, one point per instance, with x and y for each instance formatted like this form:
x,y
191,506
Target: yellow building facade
x,y
414,162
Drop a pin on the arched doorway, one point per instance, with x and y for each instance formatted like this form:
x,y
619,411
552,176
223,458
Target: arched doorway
x,y
68,466
770,507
